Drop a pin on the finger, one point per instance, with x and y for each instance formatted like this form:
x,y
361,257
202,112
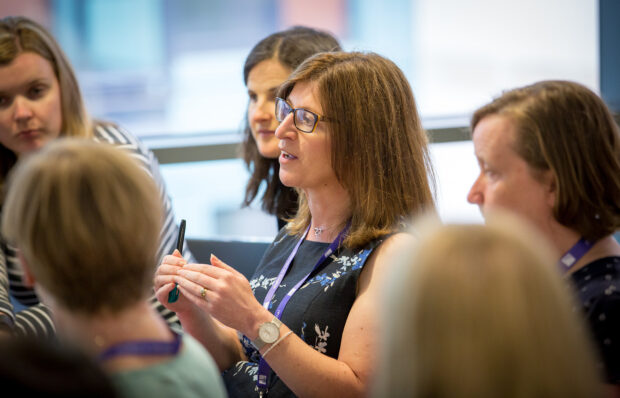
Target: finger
x,y
197,300
177,253
174,260
166,269
166,288
161,280
163,291
198,278
209,270
192,286
219,263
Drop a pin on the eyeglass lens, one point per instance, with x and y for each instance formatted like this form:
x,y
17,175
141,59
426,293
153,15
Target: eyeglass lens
x,y
303,119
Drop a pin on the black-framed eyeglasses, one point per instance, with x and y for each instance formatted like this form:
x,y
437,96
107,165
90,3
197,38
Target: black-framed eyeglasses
x,y
303,119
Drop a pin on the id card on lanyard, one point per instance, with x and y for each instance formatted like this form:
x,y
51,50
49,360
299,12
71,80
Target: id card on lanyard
x,y
574,254
263,367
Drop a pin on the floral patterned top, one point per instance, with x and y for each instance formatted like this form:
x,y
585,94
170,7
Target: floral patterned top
x,y
317,312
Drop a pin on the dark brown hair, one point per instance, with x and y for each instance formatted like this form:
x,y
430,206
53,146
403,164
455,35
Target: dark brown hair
x,y
564,127
379,150
290,47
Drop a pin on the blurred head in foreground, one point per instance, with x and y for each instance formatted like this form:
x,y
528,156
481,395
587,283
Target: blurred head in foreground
x,y
107,211
480,311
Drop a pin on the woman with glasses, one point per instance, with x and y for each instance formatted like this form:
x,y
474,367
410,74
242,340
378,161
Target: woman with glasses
x,y
307,323
269,63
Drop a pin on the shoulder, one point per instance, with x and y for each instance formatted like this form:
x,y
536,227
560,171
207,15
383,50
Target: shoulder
x,y
598,287
391,247
192,373
113,134
382,260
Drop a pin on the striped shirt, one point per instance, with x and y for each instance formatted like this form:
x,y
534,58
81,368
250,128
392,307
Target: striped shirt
x,y
36,318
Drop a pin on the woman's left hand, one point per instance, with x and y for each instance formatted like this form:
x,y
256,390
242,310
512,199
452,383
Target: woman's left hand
x,y
228,296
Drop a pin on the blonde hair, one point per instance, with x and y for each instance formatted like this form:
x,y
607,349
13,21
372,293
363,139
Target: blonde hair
x,y
564,127
379,150
20,35
479,311
86,218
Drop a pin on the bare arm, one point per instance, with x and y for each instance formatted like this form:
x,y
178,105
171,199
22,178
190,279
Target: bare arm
x,y
304,370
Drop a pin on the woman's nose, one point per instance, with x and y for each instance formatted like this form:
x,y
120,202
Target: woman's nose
x,y
23,109
475,196
263,111
287,128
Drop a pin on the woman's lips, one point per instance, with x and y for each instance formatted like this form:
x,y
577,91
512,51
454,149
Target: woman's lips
x,y
29,133
285,156
266,132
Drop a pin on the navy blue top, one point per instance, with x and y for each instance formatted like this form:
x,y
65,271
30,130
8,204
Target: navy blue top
x,y
317,312
598,285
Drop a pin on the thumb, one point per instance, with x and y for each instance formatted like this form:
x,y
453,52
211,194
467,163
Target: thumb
x,y
177,253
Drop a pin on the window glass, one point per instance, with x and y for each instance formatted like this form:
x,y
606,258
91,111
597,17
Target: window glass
x,y
175,66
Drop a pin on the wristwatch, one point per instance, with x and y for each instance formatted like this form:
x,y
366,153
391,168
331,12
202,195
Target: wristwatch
x,y
268,333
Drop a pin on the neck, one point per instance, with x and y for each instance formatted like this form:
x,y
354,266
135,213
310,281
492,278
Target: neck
x,y
563,239
330,210
604,247
94,333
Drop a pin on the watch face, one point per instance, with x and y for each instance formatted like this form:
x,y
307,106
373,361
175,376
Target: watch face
x,y
268,332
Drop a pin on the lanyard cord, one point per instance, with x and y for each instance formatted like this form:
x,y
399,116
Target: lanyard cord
x,y
574,254
263,367
142,348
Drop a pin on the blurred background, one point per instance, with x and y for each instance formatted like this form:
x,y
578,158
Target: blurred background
x,y
170,71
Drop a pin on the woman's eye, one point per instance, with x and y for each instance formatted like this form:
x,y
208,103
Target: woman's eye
x,y
489,172
36,91
252,97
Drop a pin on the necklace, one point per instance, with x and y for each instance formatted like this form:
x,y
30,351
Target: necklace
x,y
318,230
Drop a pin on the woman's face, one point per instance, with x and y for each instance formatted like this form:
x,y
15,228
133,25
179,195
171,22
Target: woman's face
x,y
30,106
506,180
263,81
305,161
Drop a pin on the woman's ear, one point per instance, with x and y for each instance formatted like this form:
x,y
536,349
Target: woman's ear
x,y
549,180
28,279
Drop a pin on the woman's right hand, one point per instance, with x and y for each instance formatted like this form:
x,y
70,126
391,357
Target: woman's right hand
x,y
163,283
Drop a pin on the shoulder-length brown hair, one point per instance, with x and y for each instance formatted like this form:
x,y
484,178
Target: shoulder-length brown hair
x,y
19,35
564,127
290,47
379,150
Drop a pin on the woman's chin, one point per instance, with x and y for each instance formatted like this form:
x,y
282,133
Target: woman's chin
x,y
269,153
287,181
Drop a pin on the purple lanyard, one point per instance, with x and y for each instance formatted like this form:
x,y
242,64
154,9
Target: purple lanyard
x,y
142,348
263,366
575,253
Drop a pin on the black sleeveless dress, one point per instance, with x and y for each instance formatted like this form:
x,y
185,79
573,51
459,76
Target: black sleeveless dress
x,y
317,312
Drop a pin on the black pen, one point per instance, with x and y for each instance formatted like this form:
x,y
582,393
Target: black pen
x,y
174,293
